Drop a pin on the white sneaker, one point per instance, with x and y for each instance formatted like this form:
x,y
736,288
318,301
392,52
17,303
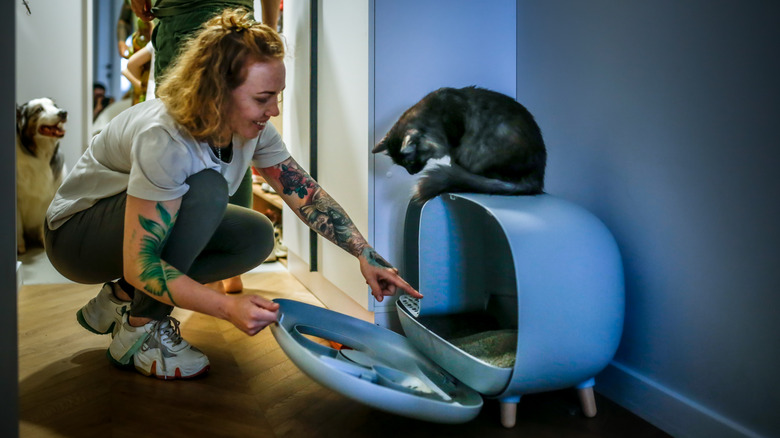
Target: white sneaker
x,y
103,314
157,349
280,249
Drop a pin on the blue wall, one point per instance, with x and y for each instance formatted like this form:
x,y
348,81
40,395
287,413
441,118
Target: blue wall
x,y
662,119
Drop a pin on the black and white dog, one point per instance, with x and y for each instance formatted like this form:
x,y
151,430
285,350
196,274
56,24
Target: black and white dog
x,y
39,166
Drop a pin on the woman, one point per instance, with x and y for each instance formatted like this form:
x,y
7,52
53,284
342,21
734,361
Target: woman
x,y
148,202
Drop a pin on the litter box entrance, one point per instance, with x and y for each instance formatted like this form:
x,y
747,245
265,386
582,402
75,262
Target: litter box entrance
x,y
472,346
468,321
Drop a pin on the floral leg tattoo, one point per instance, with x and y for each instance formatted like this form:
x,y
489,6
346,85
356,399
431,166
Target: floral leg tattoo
x,y
154,271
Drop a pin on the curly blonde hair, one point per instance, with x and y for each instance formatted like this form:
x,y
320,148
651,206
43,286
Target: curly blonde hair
x,y
196,88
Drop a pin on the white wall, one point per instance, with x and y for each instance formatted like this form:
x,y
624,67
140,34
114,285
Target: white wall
x,y
296,113
661,118
54,59
343,138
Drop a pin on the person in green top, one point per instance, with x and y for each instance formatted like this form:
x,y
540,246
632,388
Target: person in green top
x,y
180,19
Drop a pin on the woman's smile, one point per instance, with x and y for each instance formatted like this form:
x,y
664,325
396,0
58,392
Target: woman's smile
x,y
256,100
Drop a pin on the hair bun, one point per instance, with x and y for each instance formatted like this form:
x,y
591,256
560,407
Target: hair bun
x,y
237,20
241,25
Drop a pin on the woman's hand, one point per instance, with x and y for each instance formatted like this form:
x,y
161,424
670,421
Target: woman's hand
x,y
251,313
382,277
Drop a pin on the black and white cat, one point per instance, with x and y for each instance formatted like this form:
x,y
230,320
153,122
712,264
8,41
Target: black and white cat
x,y
494,144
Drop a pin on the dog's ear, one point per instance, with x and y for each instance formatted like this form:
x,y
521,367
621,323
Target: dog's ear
x,y
20,118
24,130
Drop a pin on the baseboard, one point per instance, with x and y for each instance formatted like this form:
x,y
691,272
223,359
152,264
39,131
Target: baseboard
x,y
671,412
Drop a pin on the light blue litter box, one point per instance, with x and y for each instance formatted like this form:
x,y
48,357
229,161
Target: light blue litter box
x,y
538,265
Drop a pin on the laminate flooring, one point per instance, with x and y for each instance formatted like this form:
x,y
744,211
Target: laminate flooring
x,y
68,388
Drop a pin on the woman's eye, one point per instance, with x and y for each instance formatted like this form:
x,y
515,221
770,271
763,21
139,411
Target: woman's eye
x,y
262,101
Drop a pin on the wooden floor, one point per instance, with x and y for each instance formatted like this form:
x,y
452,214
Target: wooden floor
x,y
69,389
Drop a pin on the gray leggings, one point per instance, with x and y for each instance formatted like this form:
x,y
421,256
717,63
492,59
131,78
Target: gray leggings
x,y
211,240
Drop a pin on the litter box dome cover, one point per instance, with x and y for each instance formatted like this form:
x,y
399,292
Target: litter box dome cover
x,y
379,368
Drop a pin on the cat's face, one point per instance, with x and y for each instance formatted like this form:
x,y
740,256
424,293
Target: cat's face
x,y
407,148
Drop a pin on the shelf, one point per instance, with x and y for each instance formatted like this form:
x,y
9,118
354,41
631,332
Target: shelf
x,y
271,198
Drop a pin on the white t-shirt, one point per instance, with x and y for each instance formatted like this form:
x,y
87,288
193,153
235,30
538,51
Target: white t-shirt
x,y
145,152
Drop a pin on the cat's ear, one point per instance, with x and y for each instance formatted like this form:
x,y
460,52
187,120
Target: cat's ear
x,y
381,146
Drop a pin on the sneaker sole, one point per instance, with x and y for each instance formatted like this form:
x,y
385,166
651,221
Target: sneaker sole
x,y
83,323
176,375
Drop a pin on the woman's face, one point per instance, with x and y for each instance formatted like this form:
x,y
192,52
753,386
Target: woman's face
x,y
256,100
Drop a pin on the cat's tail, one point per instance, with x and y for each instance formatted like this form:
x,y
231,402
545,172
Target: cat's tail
x,y
442,179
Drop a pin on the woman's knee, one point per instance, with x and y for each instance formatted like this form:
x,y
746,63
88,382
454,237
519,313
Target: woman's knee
x,y
249,230
200,213
206,188
264,238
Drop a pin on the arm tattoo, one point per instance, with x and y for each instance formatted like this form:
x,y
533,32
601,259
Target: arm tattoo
x,y
154,271
329,219
295,180
375,259
324,215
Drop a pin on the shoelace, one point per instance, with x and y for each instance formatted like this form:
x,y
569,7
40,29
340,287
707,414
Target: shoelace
x,y
168,327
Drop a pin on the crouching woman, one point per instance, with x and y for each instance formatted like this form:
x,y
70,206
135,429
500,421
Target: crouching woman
x,y
145,210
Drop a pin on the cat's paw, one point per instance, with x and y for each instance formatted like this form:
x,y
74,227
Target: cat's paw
x,y
422,192
416,197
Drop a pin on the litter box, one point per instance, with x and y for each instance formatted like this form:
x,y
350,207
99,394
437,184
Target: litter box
x,y
536,278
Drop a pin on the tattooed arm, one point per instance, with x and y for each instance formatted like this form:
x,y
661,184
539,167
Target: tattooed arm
x,y
325,216
147,227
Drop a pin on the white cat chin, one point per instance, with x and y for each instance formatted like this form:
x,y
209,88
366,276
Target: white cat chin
x,y
443,161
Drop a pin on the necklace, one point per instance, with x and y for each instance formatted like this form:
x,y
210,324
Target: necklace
x,y
218,151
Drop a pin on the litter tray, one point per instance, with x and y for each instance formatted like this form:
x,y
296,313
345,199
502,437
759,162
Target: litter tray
x,y
430,336
376,367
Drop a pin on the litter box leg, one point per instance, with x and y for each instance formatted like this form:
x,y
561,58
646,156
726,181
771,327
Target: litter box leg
x,y
587,398
509,411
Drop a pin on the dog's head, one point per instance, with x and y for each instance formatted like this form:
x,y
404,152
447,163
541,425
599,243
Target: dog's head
x,y
39,118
